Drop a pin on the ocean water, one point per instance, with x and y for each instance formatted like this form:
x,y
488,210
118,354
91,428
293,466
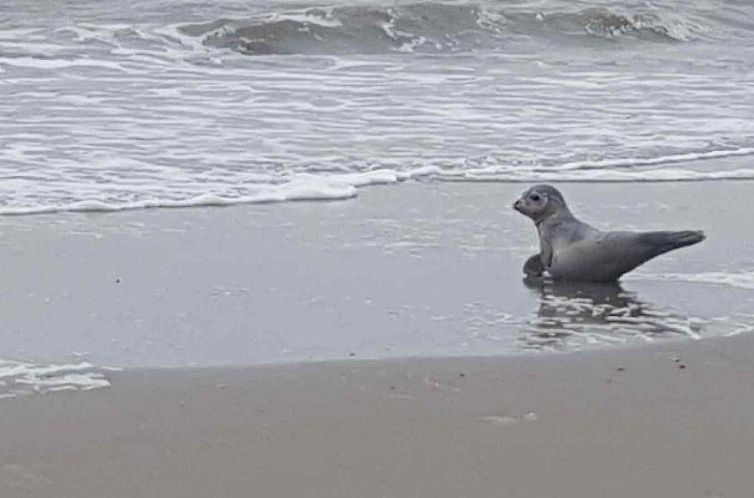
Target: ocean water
x,y
122,105
110,105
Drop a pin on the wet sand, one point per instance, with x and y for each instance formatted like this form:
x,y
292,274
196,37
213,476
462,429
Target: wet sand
x,y
417,269
669,420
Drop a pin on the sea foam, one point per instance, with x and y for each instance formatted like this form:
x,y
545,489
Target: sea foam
x,y
18,378
244,188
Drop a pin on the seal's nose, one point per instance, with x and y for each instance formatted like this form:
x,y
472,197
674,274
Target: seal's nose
x,y
517,205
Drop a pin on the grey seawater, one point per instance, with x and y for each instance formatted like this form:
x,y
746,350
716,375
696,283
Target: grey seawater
x,y
123,104
120,105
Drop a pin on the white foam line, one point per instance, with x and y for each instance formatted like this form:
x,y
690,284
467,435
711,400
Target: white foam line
x,y
596,176
740,280
31,62
302,187
344,186
651,161
288,193
305,17
18,378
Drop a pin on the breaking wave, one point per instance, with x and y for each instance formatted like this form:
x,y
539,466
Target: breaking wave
x,y
428,27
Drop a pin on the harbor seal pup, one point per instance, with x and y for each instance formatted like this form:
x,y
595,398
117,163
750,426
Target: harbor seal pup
x,y
569,249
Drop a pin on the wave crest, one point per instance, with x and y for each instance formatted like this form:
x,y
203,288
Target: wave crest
x,y
425,27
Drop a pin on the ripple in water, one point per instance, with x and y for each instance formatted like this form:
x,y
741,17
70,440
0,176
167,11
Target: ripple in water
x,y
580,314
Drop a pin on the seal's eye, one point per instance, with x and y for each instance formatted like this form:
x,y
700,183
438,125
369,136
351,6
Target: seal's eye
x,y
534,197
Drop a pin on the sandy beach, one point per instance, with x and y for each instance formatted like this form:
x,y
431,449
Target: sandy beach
x,y
299,350
652,421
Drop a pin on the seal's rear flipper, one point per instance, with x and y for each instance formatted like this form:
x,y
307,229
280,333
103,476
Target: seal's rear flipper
x,y
661,242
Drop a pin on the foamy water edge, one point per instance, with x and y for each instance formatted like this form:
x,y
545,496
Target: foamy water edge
x,y
20,378
309,187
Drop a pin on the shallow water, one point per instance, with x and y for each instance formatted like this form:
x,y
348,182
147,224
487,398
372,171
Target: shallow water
x,y
431,269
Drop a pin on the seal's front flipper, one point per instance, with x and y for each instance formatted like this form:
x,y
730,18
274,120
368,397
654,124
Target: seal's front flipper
x,y
534,267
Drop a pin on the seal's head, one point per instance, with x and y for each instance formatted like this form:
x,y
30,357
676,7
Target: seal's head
x,y
540,202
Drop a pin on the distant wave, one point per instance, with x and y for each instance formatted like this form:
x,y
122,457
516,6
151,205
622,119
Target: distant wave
x,y
308,186
429,27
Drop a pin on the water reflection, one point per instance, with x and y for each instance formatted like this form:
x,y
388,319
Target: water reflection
x,y
575,313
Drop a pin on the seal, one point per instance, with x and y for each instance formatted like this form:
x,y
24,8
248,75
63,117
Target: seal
x,y
569,249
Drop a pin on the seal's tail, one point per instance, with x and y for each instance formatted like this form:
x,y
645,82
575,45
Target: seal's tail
x,y
662,242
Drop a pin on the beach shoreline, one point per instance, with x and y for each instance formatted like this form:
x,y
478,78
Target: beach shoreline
x,y
669,419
